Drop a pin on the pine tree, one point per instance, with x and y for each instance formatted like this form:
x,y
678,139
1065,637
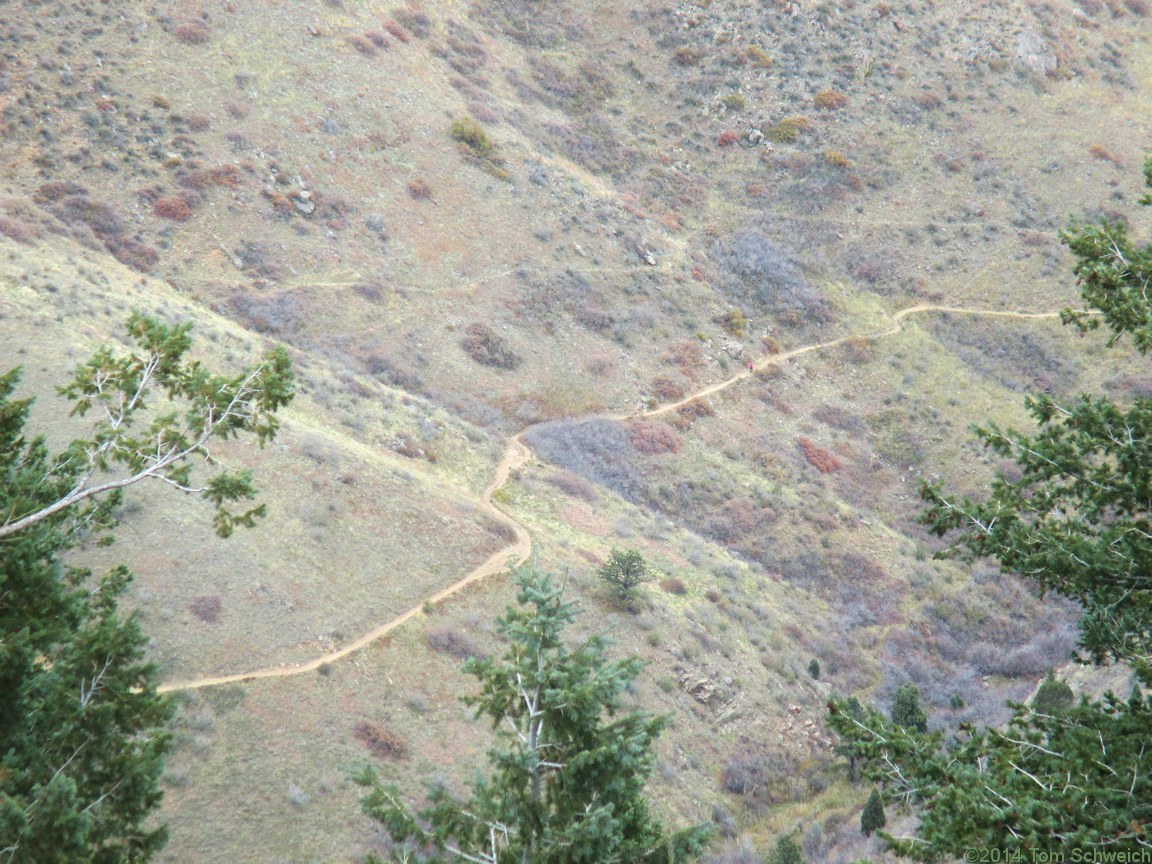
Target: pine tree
x,y
873,818
81,723
566,786
787,851
625,572
1074,517
906,710
1052,695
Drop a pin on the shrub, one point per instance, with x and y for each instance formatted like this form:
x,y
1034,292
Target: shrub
x,y
418,24
56,190
873,818
653,438
227,176
172,207
419,189
625,572
570,484
1053,696
132,253
192,33
837,159
787,851
696,409
824,461
830,100
686,55
727,138
362,44
14,230
755,272
814,669
449,641
787,130
487,348
667,389
471,134
207,608
838,418
734,323
672,585
597,449
381,742
758,56
687,355
398,33
906,710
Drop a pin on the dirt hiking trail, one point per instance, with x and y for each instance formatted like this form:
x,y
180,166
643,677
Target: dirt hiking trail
x,y
517,454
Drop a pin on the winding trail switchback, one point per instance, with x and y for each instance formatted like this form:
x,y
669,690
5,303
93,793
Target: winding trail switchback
x,y
517,453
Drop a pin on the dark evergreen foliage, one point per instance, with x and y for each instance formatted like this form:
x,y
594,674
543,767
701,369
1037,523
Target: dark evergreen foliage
x,y
1076,518
82,735
566,785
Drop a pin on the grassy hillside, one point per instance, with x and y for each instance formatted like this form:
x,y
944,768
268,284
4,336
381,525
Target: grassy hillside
x,y
473,220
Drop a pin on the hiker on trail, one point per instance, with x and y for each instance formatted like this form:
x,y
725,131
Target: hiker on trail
x,y
751,367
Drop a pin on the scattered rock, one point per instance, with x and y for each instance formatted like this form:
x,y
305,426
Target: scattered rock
x,y
304,202
1034,52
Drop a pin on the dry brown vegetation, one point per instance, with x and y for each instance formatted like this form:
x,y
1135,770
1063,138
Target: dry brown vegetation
x,y
580,243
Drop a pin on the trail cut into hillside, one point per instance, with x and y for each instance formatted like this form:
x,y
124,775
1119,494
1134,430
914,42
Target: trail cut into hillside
x,y
517,454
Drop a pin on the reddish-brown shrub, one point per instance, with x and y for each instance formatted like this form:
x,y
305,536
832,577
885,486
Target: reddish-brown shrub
x,y
407,447
1103,154
653,438
687,355
594,318
672,585
830,100
172,207
599,365
362,44
727,138
419,189
193,33
206,607
198,122
574,485
51,192
14,230
381,742
418,24
696,409
376,38
667,389
132,253
686,55
824,461
396,30
485,346
224,175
